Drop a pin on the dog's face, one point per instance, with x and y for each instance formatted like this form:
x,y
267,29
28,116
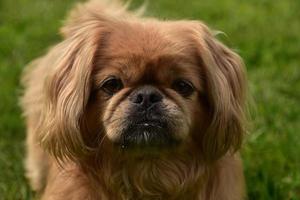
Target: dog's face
x,y
148,91
143,84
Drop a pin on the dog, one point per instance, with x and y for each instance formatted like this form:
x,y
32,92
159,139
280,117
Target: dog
x,y
128,107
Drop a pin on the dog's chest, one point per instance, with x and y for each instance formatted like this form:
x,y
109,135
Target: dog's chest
x,y
157,181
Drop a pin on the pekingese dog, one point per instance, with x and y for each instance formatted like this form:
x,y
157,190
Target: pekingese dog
x,y
130,107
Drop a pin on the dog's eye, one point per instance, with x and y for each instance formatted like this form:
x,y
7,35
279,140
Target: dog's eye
x,y
112,85
183,87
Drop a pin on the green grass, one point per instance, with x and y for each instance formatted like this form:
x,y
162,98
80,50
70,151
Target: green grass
x,y
266,33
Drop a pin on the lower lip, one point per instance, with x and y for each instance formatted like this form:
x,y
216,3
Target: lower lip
x,y
151,124
145,136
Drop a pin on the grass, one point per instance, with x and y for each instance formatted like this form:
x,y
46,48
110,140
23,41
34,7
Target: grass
x,y
265,33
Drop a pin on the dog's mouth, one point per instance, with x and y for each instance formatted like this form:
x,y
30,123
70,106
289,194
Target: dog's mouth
x,y
145,134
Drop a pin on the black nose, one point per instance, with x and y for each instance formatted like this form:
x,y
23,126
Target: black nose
x,y
146,96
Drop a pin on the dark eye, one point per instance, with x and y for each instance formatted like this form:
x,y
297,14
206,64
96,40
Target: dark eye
x,y
183,87
112,85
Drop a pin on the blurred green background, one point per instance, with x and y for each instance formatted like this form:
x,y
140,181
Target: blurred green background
x,y
266,33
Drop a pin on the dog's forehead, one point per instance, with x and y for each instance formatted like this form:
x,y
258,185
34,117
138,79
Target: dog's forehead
x,y
147,52
148,40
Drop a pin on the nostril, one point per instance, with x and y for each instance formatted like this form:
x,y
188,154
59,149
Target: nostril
x,y
139,99
155,97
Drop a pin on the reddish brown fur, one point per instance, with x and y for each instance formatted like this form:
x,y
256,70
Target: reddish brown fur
x,y
71,123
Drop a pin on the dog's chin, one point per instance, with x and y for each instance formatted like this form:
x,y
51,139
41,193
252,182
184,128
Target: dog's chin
x,y
147,137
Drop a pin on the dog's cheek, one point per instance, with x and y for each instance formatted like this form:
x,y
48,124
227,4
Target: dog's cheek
x,y
201,117
114,120
179,118
91,123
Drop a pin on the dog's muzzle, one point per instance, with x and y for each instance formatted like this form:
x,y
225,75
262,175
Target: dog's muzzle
x,y
147,124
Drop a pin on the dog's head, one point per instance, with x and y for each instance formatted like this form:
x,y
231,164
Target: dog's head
x,y
141,83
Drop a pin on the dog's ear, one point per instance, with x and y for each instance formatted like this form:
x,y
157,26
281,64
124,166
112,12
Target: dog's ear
x,y
225,81
67,87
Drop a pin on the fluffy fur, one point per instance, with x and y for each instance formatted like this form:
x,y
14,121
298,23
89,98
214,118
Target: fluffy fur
x,y
71,124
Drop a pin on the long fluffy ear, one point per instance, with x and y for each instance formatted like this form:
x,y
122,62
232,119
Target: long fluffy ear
x,y
226,92
67,86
